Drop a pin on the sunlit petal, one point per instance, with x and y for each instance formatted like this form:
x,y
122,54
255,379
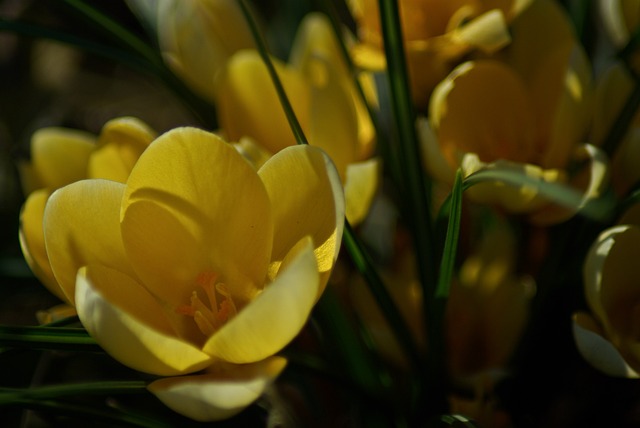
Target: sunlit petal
x,y
32,241
129,324
274,318
60,156
218,394
360,188
307,199
180,186
82,226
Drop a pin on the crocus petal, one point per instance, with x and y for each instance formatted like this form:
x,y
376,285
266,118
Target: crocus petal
x,y
209,203
120,144
249,105
197,38
432,156
60,155
597,350
308,200
610,281
482,107
81,226
275,317
32,241
360,188
129,324
218,395
592,181
487,32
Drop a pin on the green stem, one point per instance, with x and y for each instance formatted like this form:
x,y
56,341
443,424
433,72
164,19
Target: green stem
x,y
263,50
365,266
51,338
418,191
116,31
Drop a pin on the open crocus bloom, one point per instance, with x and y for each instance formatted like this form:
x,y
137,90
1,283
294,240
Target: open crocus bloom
x,y
323,98
614,87
527,113
609,337
61,156
196,37
199,262
437,35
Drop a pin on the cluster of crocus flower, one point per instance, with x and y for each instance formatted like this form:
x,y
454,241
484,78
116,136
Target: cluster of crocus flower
x,y
198,264
197,257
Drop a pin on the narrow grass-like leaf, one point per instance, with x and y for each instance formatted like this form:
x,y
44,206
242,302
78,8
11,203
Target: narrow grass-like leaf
x,y
447,262
108,416
365,266
72,339
597,209
414,185
263,50
116,31
7,395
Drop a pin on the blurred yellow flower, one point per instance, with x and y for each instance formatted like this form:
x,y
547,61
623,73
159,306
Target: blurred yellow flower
x,y
199,262
324,99
609,337
196,37
614,87
438,34
620,19
526,111
61,156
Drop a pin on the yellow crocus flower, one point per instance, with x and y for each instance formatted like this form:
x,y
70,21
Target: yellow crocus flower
x,y
323,98
614,87
196,37
61,156
526,111
199,262
609,337
438,34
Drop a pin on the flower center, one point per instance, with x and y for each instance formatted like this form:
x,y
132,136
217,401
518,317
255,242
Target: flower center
x,y
209,318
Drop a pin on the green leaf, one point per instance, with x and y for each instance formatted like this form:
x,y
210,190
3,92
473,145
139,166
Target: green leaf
x,y
56,338
296,128
598,209
447,262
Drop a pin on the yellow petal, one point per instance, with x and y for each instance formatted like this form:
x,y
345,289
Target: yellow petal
x,y
360,188
591,181
193,196
517,199
274,318
307,199
219,394
613,291
597,350
487,32
249,105
432,156
81,226
198,37
482,107
32,241
60,156
121,143
130,324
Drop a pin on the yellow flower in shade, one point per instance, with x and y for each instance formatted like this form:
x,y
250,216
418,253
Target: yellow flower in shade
x,y
609,337
325,102
61,156
199,262
614,87
438,34
620,19
526,112
196,37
